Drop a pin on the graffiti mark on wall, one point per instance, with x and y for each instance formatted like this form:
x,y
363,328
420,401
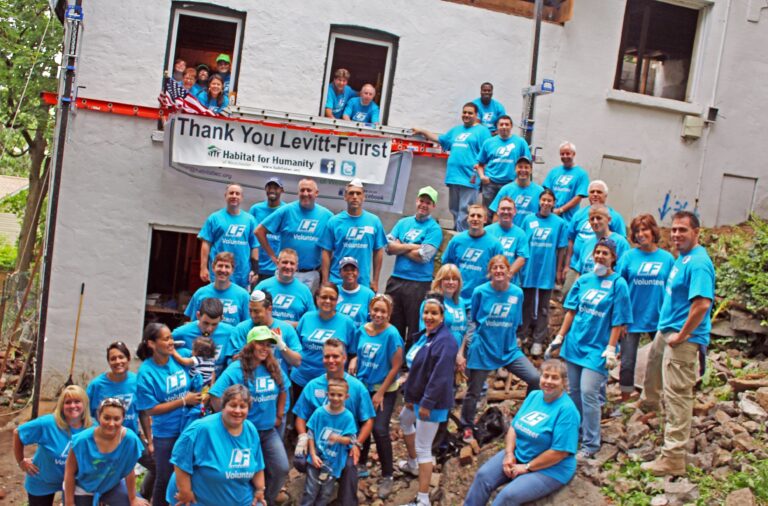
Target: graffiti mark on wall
x,y
672,205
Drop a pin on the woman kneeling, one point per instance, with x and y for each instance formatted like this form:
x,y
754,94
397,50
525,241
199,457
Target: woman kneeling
x,y
540,446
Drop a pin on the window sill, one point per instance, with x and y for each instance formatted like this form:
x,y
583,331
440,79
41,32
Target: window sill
x,y
662,104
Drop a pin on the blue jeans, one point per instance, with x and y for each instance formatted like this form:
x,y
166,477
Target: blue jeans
x,y
163,468
316,492
525,488
275,463
381,436
521,367
116,496
459,197
585,385
628,346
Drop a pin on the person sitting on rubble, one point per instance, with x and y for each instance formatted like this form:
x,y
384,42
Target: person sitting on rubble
x,y
215,98
363,109
538,456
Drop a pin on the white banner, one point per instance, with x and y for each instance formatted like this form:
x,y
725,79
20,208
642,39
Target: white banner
x,y
218,142
387,196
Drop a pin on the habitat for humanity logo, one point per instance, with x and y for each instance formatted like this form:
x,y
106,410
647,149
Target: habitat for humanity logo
x,y
213,151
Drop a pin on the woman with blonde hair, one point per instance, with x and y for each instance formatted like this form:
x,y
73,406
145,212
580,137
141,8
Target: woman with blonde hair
x,y
52,434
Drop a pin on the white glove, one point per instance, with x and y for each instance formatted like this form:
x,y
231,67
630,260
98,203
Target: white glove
x,y
610,357
281,346
301,445
555,345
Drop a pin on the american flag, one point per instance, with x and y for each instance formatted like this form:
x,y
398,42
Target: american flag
x,y
175,98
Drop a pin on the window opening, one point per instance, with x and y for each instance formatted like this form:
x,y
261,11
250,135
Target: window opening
x,y
657,48
369,56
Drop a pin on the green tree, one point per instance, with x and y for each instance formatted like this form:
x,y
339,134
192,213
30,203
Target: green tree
x,y
30,38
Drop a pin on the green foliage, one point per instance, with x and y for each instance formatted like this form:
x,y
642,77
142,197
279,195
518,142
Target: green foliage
x,y
637,485
15,204
7,254
741,263
713,490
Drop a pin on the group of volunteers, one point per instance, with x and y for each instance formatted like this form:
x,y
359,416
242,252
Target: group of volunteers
x,y
296,350
210,88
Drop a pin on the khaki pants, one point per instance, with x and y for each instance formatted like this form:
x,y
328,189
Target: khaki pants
x,y
570,278
673,370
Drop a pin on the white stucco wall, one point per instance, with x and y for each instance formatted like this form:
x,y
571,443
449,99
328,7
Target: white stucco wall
x,y
114,187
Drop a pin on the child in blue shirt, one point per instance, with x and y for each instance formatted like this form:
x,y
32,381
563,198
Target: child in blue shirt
x,y
332,431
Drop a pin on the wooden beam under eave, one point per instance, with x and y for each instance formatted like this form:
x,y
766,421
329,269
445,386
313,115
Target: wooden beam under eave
x,y
523,8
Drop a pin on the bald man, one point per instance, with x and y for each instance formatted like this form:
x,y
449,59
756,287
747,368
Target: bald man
x,y
363,109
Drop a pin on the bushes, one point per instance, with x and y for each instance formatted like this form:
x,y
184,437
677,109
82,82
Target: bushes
x,y
741,264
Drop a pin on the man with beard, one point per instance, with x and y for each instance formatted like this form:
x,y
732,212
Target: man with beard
x,y
260,210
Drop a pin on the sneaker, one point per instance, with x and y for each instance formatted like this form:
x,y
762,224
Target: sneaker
x,y
584,455
362,471
537,349
385,487
406,468
468,435
416,502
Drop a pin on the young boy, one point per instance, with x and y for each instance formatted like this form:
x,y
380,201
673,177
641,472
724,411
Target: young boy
x,y
202,370
332,431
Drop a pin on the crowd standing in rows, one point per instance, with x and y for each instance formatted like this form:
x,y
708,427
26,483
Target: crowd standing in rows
x,y
290,349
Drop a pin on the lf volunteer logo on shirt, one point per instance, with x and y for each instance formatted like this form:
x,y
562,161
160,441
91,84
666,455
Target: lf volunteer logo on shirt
x,y
472,255
229,306
308,226
320,336
175,381
236,230
282,301
370,349
649,269
358,233
264,384
350,310
542,233
462,137
412,234
507,242
503,150
594,296
500,310
564,179
523,200
61,459
241,457
534,418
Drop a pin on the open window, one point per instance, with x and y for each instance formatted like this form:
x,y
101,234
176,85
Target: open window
x,y
199,33
174,275
370,57
658,46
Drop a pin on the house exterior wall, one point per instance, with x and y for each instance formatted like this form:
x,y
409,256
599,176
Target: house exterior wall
x,y
114,187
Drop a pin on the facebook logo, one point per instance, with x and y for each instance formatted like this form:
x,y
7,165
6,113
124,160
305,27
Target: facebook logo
x,y
264,384
564,179
241,457
358,233
327,166
593,296
649,269
534,418
282,301
320,335
308,226
369,350
499,310
472,255
350,310
235,230
175,381
542,233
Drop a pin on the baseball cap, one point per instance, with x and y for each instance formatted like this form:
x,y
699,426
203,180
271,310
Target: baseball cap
x,y
203,66
357,182
608,243
348,261
223,57
524,157
275,180
260,333
429,192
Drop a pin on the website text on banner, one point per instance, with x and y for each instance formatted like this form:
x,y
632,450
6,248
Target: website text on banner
x,y
216,142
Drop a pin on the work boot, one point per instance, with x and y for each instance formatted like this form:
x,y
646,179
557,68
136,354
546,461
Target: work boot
x,y
665,466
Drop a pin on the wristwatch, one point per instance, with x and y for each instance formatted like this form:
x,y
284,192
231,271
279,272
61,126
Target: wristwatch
x,y
358,444
528,466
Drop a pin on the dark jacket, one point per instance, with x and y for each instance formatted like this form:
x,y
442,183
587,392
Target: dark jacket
x,y
430,381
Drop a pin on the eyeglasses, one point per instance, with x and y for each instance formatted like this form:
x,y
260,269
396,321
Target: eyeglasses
x,y
110,402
